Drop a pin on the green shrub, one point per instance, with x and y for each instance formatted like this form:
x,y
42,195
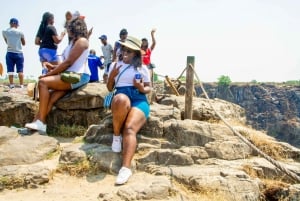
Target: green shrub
x,y
293,82
224,81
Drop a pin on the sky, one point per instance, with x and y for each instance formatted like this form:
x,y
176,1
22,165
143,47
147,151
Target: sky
x,y
245,40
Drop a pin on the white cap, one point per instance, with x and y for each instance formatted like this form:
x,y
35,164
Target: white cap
x,y
76,14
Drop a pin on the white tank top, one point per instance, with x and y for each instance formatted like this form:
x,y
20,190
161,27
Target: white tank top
x,y
80,65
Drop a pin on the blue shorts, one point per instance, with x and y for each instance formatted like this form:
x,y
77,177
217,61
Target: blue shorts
x,y
137,99
47,54
13,59
85,78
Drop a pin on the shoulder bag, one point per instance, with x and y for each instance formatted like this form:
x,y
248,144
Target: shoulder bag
x,y
109,97
70,77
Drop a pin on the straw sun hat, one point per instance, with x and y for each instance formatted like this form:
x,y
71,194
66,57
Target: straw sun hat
x,y
132,43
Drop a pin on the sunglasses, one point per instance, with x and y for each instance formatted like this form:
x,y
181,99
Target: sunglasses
x,y
128,51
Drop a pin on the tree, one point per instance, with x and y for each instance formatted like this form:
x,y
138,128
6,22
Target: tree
x,y
224,81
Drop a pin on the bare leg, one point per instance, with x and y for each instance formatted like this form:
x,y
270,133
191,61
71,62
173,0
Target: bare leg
x,y
44,97
11,79
54,96
21,77
105,77
134,122
120,108
47,99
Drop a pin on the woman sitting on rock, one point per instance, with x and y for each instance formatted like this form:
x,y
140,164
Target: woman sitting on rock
x,y
130,108
50,85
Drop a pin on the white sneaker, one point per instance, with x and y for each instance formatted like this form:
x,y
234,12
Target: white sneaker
x,y
37,125
116,145
123,176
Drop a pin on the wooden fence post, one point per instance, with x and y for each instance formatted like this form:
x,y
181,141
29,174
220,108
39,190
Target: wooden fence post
x,y
188,110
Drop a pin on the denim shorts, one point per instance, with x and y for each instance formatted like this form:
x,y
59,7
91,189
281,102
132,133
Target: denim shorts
x,y
85,78
13,59
47,54
137,99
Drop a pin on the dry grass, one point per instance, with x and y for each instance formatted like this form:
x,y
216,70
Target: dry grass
x,y
274,190
79,169
271,189
250,171
79,139
53,154
11,182
264,143
204,194
210,194
261,140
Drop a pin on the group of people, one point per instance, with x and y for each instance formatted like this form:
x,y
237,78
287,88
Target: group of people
x,y
129,57
111,54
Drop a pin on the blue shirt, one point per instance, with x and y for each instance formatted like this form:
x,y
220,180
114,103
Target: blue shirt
x,y
94,62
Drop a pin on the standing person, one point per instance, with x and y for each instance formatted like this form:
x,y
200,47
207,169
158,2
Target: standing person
x,y
107,52
50,85
147,52
117,56
48,39
77,14
68,17
14,38
130,108
94,63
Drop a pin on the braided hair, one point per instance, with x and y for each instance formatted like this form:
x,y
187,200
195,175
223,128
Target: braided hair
x,y
47,16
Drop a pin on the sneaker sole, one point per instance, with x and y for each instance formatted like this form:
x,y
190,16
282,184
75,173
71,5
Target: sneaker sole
x,y
41,132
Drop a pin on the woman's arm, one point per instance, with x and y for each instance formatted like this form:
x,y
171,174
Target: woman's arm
x,y
37,40
143,87
57,39
111,78
153,39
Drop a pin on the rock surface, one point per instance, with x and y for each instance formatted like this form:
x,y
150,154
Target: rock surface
x,y
176,159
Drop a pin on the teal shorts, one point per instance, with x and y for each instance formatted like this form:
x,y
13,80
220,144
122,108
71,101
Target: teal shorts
x,y
137,99
85,78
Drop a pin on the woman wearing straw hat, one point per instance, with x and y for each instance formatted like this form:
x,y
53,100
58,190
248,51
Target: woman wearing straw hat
x,y
130,108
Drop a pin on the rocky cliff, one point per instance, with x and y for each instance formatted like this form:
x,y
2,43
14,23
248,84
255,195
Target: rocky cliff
x,y
271,107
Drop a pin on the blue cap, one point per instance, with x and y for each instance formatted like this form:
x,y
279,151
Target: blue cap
x,y
103,37
14,21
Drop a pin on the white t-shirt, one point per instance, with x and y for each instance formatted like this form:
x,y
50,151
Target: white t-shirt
x,y
127,77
